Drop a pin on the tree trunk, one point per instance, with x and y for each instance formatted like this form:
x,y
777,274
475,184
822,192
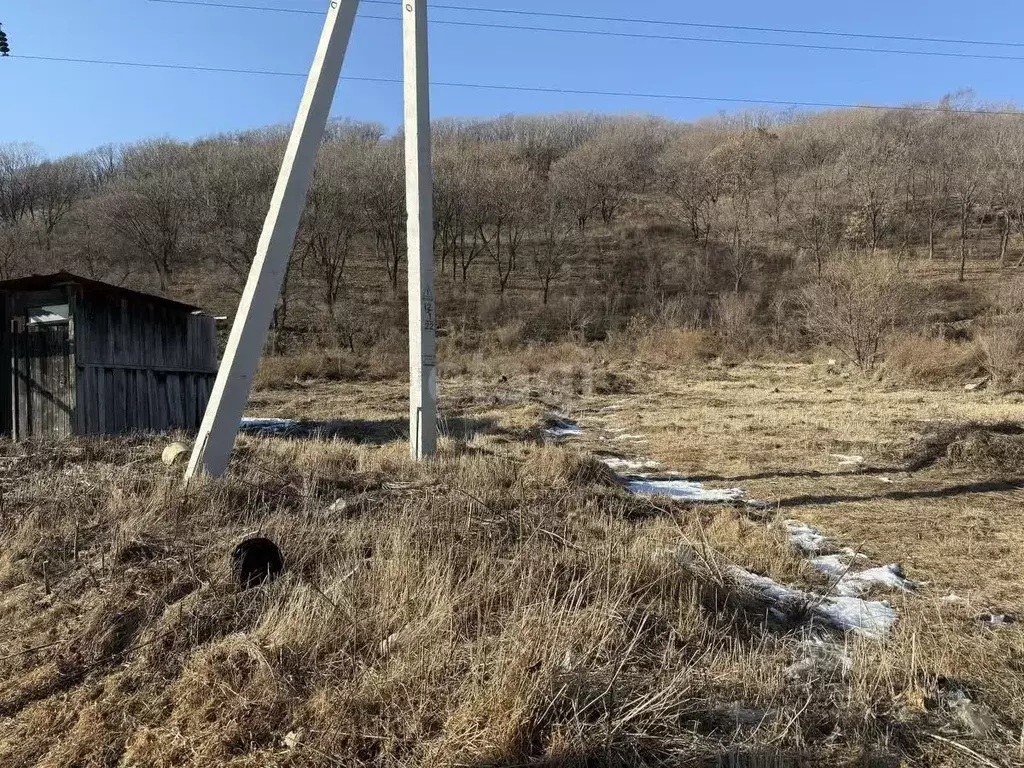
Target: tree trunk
x,y
963,241
1004,238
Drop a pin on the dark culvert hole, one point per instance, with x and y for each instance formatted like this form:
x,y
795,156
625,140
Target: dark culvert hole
x,y
256,560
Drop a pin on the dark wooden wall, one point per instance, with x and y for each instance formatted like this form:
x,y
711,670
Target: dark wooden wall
x,y
140,366
122,364
6,407
44,382
38,391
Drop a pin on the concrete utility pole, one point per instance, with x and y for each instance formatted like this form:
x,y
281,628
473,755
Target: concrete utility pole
x,y
419,185
217,434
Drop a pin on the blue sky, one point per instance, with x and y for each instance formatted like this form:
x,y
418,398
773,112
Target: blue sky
x,y
64,107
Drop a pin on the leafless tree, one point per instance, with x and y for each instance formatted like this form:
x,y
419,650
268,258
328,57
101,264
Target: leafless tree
x,y
814,206
855,304
331,221
235,193
558,238
692,180
154,205
18,191
507,193
383,203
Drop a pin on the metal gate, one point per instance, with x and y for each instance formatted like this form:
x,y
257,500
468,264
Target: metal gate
x,y
43,380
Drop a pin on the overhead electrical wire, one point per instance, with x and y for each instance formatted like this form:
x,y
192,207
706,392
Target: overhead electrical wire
x,y
660,22
521,88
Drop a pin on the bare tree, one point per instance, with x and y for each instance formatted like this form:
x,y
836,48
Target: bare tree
x,y
855,304
814,205
331,221
383,204
558,238
18,191
692,180
739,165
60,184
875,161
965,157
236,191
506,193
153,206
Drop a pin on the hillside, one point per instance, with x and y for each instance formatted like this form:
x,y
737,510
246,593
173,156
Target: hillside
x,y
563,227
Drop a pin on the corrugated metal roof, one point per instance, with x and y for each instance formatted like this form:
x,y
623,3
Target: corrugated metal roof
x,y
58,279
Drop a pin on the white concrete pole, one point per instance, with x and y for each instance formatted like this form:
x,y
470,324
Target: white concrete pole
x,y
217,434
419,185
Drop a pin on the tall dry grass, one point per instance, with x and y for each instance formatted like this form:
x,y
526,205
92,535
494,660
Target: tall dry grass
x,y
506,604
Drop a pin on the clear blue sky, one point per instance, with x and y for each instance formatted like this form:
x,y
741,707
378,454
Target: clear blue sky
x,y
65,107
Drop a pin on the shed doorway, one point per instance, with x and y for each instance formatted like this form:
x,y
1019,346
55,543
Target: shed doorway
x,y
43,379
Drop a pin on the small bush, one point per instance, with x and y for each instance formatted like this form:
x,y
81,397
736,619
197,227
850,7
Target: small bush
x,y
855,304
676,346
922,360
1003,348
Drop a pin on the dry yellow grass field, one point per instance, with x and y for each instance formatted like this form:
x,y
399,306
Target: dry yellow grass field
x,y
510,603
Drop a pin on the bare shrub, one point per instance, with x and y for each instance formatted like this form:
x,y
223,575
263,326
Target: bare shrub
x,y
1003,348
737,321
923,360
675,346
855,304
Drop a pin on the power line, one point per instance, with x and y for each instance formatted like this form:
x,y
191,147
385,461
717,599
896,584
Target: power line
x,y
524,88
626,20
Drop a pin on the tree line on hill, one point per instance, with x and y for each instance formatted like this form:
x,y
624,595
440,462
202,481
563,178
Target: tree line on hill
x,y
518,200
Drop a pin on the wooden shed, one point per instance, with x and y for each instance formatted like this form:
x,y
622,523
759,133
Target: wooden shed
x,y
82,357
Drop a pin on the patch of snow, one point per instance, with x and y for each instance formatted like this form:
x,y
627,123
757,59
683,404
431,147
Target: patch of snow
x,y
618,463
850,614
886,480
805,537
996,620
685,490
885,577
833,565
563,428
819,655
870,618
848,461
274,426
625,436
953,598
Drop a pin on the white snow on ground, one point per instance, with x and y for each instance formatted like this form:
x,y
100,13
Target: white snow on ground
x,y
684,490
845,610
869,618
885,577
619,464
848,462
820,655
563,428
268,425
847,582
806,538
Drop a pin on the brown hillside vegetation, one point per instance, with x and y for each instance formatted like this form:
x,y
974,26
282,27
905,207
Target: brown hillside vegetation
x,y
554,228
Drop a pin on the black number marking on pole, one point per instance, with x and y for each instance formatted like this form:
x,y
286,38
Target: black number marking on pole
x,y
408,7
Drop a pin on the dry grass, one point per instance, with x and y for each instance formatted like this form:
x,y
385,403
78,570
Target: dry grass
x,y
507,604
922,360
